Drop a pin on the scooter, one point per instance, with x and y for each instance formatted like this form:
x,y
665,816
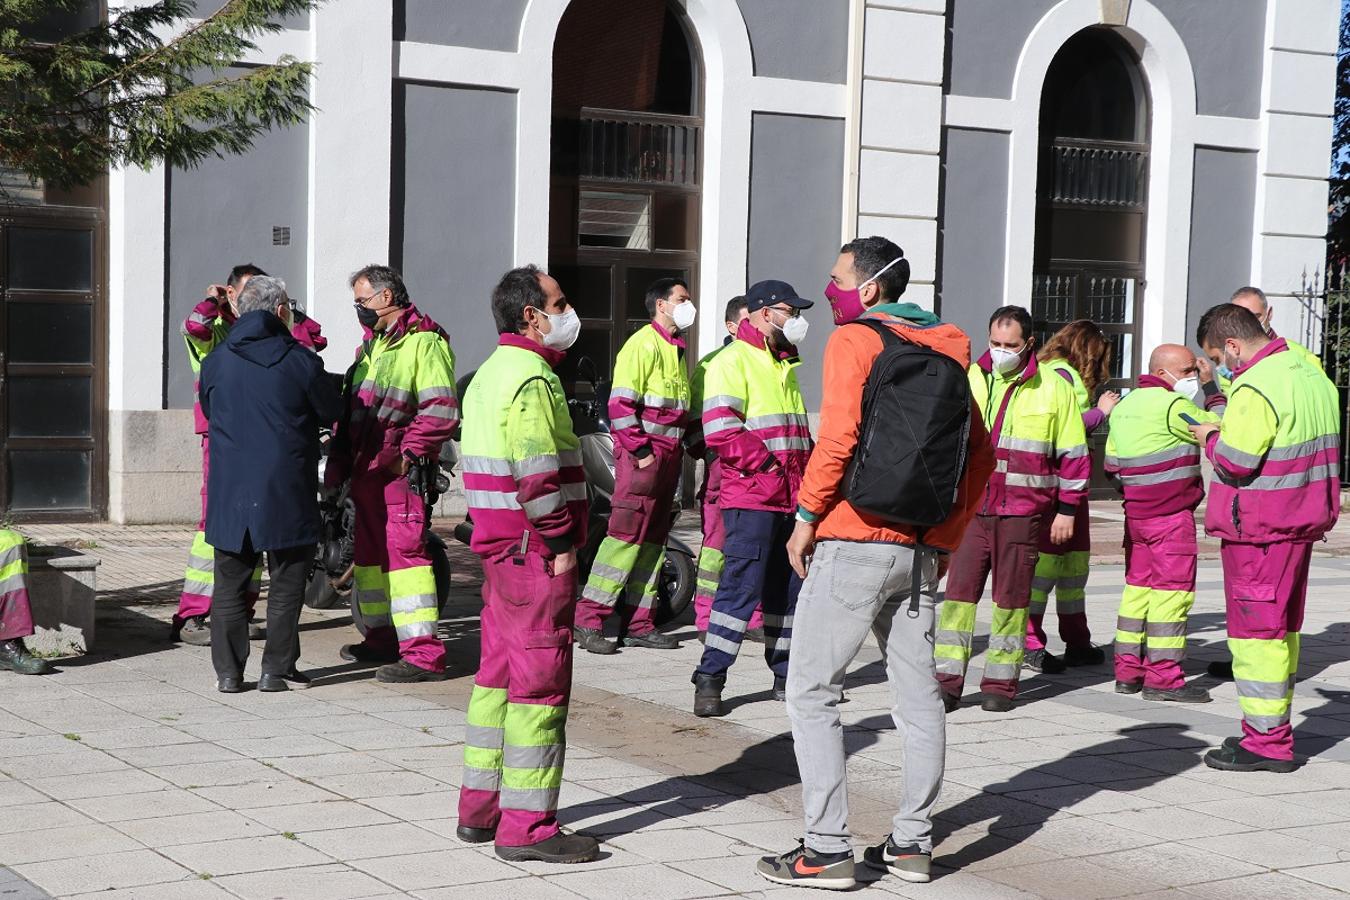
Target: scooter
x,y
590,420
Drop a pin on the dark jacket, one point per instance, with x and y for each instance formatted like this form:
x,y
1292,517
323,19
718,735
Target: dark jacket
x,y
264,396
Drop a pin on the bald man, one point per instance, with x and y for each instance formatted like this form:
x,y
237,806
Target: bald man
x,y
1156,459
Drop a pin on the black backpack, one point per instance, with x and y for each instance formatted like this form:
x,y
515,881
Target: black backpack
x,y
914,437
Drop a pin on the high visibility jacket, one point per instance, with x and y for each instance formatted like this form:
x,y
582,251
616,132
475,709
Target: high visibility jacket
x,y
754,417
693,433
207,326
1041,461
1092,416
1277,454
1153,453
1216,401
523,477
402,397
649,402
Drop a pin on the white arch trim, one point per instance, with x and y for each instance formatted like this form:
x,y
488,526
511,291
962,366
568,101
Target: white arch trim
x,y
725,46
1167,70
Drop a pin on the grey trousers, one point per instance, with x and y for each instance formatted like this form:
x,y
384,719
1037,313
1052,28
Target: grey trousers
x,y
852,589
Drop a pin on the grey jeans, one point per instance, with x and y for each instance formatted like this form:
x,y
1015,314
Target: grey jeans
x,y
852,589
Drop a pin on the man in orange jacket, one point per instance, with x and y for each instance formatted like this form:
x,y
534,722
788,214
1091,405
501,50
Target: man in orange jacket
x,y
859,582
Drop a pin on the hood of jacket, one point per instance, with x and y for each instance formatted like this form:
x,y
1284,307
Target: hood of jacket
x,y
261,338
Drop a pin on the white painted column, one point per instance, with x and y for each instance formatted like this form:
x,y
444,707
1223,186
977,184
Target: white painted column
x,y
904,47
1293,164
350,146
136,288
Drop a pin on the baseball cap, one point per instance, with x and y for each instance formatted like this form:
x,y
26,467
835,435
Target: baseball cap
x,y
771,293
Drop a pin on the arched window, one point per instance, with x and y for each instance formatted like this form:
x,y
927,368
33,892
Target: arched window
x,y
1091,193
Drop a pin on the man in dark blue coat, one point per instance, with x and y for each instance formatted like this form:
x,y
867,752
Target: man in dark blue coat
x,y
264,396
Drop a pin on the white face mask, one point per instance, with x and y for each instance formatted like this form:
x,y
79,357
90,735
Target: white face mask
x,y
1005,360
683,315
565,327
1189,387
794,329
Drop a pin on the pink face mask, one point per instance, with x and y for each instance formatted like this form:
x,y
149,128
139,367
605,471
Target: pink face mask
x,y
847,306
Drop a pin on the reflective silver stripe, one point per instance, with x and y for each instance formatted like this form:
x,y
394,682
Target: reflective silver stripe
x,y
200,588
1124,624
948,666
622,422
1133,648
1161,477
773,621
1265,724
656,401
1002,671
543,756
783,644
415,629
438,412
770,421
491,499
646,600
485,465
716,426
402,605
399,394
573,490
485,737
544,464
717,642
709,575
569,458
1262,690
433,393
722,620
542,505
1152,459
723,400
1032,481
482,779
1307,448
623,393
18,582
1000,465
1025,445
1166,653
781,444
604,570
1069,607
13,554
1166,629
531,799
953,638
597,594
1073,484
1241,457
1072,581
202,563
1006,643
663,430
1078,451
1295,479
1043,583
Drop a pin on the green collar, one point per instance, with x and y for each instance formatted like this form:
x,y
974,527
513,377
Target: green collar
x,y
910,312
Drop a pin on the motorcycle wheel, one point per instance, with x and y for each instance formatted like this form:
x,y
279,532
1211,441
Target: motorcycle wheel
x,y
319,590
675,585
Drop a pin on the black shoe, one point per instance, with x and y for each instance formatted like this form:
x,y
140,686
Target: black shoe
x,y
1043,661
291,681
257,631
1190,693
909,862
951,702
996,703
592,641
1128,687
1236,758
404,672
779,688
708,695
754,635
804,867
561,848
196,631
15,657
652,640
1221,669
1084,656
230,685
365,653
470,835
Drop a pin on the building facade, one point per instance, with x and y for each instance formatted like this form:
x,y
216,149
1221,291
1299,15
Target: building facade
x,y
1131,161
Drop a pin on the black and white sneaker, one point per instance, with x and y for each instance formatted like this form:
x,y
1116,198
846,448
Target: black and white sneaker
x,y
804,867
909,862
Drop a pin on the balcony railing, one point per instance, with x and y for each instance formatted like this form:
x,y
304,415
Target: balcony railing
x,y
1112,177
638,148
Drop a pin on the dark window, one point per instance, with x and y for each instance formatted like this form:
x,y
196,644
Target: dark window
x,y
50,407
49,479
51,259
51,333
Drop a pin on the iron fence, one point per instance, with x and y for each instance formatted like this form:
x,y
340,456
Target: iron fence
x,y
1325,313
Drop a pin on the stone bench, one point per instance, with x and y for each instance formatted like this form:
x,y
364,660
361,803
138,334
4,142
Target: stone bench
x,y
62,587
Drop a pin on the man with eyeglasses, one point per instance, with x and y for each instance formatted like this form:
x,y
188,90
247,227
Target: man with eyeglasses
x,y
401,407
755,421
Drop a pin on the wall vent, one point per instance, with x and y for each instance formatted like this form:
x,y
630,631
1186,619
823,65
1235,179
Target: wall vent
x,y
281,235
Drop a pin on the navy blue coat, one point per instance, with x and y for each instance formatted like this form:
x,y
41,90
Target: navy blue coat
x,y
264,396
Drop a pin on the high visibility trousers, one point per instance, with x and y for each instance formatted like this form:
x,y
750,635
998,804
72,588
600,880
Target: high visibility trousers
x,y
1007,548
16,616
515,738
629,560
757,570
711,559
1062,568
1265,586
199,580
394,591
1160,555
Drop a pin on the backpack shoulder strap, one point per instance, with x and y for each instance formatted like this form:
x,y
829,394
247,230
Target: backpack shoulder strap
x,y
888,336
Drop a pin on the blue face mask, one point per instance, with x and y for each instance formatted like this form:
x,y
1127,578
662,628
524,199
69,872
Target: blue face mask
x,y
1225,372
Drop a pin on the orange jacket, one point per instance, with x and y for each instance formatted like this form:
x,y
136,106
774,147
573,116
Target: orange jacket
x,y
848,361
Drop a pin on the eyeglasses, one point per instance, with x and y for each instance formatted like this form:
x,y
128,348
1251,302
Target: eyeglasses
x,y
362,301
791,312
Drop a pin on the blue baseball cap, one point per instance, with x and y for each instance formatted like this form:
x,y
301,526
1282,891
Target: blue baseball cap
x,y
771,293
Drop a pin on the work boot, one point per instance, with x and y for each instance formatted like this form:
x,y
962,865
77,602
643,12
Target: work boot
x,y
404,672
1190,693
561,848
1236,758
293,680
1043,661
951,702
1084,656
196,631
365,653
652,640
257,631
708,694
779,688
754,635
909,862
1128,687
996,703
470,835
15,657
1221,669
592,641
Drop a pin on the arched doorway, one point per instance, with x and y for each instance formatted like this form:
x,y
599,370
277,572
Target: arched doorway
x,y
625,174
1091,195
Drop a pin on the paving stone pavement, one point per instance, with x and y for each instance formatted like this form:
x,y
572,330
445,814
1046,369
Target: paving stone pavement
x,y
127,776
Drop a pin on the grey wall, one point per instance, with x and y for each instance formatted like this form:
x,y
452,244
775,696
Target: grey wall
x,y
205,8
974,222
454,206
1222,37
796,205
221,214
1222,218
486,24
801,39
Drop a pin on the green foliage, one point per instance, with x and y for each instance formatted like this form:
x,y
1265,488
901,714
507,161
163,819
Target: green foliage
x,y
143,87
